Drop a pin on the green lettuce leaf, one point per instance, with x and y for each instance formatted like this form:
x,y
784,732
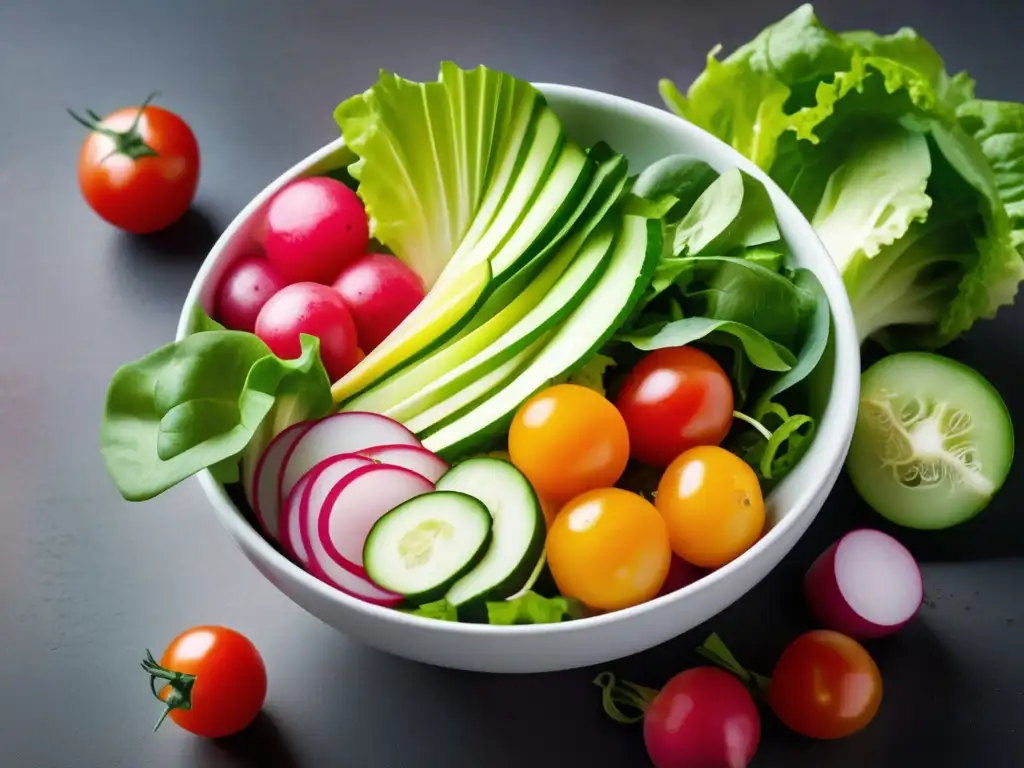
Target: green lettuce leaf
x,y
760,350
197,403
531,608
441,610
592,373
426,154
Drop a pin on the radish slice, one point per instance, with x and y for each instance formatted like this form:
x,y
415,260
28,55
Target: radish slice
x,y
865,585
348,432
359,501
308,496
413,457
319,562
266,483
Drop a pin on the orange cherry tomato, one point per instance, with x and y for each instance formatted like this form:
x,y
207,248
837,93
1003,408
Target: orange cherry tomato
x,y
568,439
825,686
138,167
674,399
217,674
609,549
712,504
550,510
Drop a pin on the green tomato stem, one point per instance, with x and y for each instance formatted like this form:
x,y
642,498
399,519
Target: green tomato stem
x,y
180,695
130,142
616,694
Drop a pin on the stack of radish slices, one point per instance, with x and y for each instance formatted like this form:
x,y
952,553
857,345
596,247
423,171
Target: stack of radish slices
x,y
320,487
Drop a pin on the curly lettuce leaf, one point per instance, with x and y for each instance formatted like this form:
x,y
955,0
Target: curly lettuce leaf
x,y
531,608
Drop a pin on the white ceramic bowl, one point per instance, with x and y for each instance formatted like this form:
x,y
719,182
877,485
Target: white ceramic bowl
x,y
644,134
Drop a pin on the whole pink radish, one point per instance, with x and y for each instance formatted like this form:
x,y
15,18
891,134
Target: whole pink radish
x,y
380,291
245,288
318,311
313,228
865,585
703,718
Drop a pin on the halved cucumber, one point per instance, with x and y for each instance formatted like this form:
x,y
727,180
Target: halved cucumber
x,y
422,546
518,532
933,441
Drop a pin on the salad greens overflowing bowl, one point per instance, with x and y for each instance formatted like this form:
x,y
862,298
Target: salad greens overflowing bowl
x,y
509,378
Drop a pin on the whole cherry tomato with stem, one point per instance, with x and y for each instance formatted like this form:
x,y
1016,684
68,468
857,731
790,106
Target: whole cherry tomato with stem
x,y
215,681
138,168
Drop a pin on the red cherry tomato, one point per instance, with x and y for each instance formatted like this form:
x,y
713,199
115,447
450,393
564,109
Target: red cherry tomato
x,y
244,289
138,168
313,228
316,310
380,291
216,681
702,718
825,686
674,399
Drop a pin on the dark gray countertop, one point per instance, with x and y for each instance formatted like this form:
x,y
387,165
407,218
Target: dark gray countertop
x,y
88,581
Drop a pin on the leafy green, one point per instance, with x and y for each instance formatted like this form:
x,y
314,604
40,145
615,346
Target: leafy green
x,y
426,154
733,212
676,179
197,403
774,457
915,186
531,608
760,350
440,610
591,374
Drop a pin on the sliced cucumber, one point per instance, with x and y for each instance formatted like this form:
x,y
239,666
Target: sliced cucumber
x,y
628,273
421,547
933,441
518,533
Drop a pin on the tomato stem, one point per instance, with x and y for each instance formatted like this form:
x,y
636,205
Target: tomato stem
x,y
180,683
130,142
616,694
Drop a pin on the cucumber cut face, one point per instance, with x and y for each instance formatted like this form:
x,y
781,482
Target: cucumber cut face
x,y
933,441
424,545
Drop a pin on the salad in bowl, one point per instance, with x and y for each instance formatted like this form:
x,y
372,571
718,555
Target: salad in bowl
x,y
502,364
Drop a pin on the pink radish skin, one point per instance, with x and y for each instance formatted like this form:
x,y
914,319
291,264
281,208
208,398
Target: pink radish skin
x,y
359,501
348,432
380,291
307,498
865,585
289,524
266,484
702,718
411,457
320,563
247,286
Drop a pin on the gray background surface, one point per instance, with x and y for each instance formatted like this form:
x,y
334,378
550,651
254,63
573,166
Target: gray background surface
x,y
88,581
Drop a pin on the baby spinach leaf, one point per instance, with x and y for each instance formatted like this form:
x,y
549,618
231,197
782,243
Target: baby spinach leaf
x,y
197,403
683,177
733,213
649,208
817,325
531,608
761,351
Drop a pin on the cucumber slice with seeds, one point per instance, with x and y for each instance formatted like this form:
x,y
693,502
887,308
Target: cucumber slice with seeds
x,y
421,547
933,441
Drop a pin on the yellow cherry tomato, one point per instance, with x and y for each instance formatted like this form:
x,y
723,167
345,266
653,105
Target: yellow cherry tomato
x,y
567,440
609,548
712,504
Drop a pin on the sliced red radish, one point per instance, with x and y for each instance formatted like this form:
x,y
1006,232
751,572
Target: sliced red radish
x,y
266,483
307,498
320,563
359,501
349,432
865,585
413,457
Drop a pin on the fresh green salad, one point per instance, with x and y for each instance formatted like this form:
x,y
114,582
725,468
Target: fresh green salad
x,y
467,333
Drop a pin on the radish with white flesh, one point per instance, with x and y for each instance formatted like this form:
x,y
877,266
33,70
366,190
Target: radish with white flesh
x,y
865,585
420,548
310,493
266,485
359,501
519,530
320,562
340,433
419,460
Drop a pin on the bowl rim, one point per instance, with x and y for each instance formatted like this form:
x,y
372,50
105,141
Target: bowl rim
x,y
832,443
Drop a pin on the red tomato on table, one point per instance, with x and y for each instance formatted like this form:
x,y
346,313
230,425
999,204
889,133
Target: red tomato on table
x,y
216,681
138,168
674,399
